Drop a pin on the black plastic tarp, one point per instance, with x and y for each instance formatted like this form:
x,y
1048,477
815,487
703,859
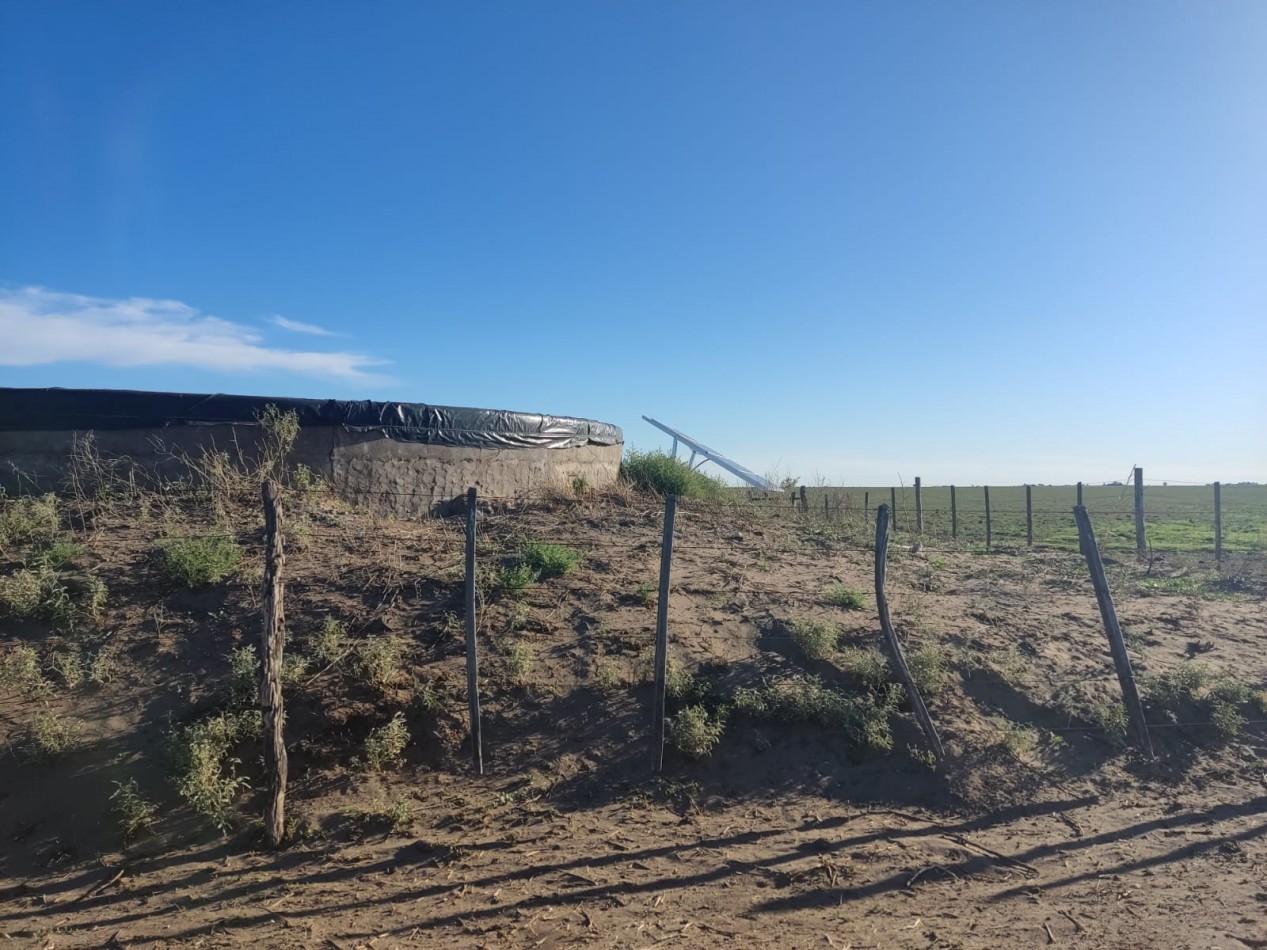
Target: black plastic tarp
x,y
30,410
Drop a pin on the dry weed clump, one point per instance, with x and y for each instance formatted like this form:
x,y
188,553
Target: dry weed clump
x,y
133,813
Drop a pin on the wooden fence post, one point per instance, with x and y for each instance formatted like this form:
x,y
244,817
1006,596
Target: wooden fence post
x,y
919,508
987,517
272,703
1141,542
472,647
1029,515
866,504
893,505
804,500
1079,494
1218,521
1117,644
662,633
954,515
890,635
826,506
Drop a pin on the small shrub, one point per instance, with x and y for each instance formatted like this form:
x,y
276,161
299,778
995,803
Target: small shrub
x,y
132,812
294,669
28,518
514,579
21,668
398,814
56,553
847,597
1020,741
1175,686
663,474
385,745
518,663
862,717
379,659
678,681
550,560
928,668
580,486
199,562
696,733
70,666
51,736
1259,699
101,667
1227,720
867,664
433,699
645,595
815,639
606,675
1229,690
331,644
205,770
244,676
44,592
280,431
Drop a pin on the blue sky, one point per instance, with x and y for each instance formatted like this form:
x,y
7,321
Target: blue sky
x,y
973,242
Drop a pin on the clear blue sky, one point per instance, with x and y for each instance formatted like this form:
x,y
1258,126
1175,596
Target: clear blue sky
x,y
968,241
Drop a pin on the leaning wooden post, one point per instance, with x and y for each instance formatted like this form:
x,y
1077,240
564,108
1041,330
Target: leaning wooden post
x,y
272,704
954,515
890,635
662,634
919,508
1117,644
987,517
1141,543
1029,515
1218,522
472,652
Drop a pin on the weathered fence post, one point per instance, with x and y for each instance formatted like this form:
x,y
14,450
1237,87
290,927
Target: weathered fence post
x,y
804,500
890,635
1117,644
662,633
472,647
826,506
954,515
919,508
272,703
866,504
987,517
1141,543
1029,515
1079,494
1218,521
893,506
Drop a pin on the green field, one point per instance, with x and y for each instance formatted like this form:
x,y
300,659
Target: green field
x,y
1177,518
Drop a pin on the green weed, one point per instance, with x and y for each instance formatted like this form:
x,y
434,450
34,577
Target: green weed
x,y
244,676
385,745
331,643
205,770
21,668
549,560
132,812
850,598
397,814
380,660
927,664
695,732
817,640
518,663
51,736
28,518
199,562
867,664
863,717
662,474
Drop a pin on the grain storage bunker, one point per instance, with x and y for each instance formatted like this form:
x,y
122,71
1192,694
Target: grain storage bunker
x,y
405,458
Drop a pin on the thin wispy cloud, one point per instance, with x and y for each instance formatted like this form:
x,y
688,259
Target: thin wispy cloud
x,y
295,326
41,326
